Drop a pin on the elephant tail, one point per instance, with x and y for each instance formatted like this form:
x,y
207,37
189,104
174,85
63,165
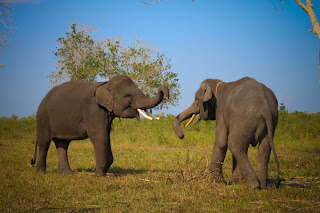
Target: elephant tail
x,y
33,160
270,129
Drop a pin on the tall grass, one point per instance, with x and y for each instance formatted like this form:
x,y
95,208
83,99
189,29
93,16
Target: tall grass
x,y
153,171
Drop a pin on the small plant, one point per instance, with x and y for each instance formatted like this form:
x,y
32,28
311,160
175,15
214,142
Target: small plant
x,y
282,109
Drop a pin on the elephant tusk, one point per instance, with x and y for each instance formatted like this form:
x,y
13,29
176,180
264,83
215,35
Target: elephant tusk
x,y
150,114
191,119
143,114
155,117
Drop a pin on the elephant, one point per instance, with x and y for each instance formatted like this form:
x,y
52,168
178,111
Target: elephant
x,y
246,112
78,110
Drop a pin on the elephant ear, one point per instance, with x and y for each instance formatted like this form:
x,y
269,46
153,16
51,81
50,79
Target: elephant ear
x,y
104,98
207,93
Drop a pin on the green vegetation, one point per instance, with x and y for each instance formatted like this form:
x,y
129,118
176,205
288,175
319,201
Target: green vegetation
x,y
156,172
80,57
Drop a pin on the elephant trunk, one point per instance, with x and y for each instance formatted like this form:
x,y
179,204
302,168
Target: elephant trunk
x,y
147,103
193,109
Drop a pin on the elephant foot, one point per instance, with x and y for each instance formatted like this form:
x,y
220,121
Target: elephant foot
x,y
41,170
218,178
237,176
100,175
237,179
253,183
66,172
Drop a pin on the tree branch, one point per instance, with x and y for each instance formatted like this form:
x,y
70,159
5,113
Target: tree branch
x,y
276,8
153,2
304,7
308,8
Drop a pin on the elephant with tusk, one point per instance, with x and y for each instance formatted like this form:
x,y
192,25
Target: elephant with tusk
x,y
246,112
78,110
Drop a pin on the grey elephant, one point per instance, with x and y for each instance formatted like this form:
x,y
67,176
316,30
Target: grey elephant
x,y
246,112
78,110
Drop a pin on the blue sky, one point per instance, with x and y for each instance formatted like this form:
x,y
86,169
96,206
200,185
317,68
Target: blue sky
x,y
226,40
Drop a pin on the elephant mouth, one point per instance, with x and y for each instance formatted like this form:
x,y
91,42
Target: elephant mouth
x,y
148,116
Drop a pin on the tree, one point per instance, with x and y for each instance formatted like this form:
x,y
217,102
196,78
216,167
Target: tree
x,y
79,57
148,68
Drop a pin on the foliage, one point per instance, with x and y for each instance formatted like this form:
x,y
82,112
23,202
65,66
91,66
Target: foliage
x,y
282,109
82,58
79,57
148,68
149,162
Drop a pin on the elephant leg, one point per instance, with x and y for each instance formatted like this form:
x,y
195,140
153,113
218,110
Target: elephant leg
x,y
99,127
236,171
219,152
102,148
63,162
43,151
264,151
238,145
104,157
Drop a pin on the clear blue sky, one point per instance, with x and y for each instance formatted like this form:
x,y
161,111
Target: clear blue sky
x,y
205,39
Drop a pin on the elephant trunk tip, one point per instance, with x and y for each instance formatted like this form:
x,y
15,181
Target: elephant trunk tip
x,y
165,92
177,129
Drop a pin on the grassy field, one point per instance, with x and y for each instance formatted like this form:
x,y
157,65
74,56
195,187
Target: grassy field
x,y
154,171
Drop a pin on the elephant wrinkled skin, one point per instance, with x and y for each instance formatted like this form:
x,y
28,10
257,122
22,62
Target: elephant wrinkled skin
x,y
246,112
78,110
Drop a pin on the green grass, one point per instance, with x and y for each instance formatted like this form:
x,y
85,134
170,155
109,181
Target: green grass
x,y
153,171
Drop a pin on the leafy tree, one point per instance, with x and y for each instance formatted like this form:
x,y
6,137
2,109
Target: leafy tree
x,y
79,57
148,68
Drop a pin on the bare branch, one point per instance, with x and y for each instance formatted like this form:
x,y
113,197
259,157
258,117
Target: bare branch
x,y
277,8
153,2
6,17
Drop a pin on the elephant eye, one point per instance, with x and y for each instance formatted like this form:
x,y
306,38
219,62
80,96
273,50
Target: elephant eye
x,y
197,102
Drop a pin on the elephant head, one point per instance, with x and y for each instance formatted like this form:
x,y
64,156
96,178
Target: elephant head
x,y
122,98
204,105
